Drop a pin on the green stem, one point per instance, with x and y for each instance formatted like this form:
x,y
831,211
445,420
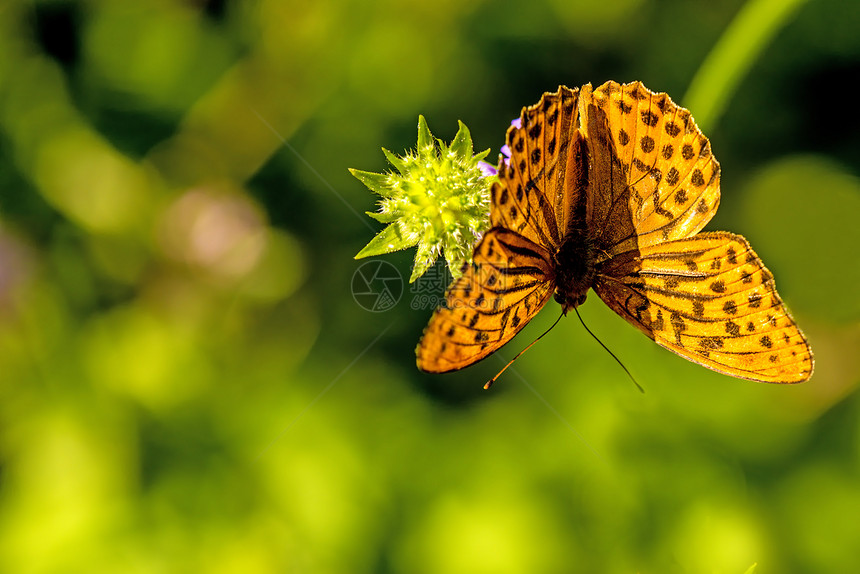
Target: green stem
x,y
733,55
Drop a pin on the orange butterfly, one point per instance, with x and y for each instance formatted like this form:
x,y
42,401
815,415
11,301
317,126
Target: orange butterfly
x,y
607,189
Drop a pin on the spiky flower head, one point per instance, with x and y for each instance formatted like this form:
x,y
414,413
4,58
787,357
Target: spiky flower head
x,y
438,200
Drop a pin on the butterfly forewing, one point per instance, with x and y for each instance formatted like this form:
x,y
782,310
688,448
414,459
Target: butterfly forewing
x,y
507,284
552,127
530,195
656,177
710,299
512,276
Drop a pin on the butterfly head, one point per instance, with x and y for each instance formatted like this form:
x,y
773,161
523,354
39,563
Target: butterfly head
x,y
567,302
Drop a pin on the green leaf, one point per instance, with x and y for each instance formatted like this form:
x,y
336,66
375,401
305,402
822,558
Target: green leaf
x,y
442,147
425,256
398,163
419,268
751,568
462,144
479,156
388,240
741,44
455,262
425,138
382,217
376,182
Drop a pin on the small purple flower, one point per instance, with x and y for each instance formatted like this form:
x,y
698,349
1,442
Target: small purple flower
x,y
487,168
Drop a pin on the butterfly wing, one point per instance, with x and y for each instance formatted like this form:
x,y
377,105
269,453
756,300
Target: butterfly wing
x,y
509,281
534,187
654,178
512,276
710,299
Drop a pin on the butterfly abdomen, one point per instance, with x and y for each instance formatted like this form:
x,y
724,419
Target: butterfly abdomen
x,y
574,268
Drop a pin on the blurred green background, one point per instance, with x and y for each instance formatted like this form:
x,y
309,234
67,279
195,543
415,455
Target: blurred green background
x,y
187,383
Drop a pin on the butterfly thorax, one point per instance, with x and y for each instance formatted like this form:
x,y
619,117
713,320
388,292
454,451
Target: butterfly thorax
x,y
574,269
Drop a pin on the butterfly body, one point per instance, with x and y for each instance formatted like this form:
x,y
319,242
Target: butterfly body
x,y
608,189
574,269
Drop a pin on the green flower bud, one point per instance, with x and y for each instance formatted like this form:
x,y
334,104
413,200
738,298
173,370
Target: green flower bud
x,y
438,200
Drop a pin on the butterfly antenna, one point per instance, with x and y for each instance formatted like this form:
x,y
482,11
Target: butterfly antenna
x,y
617,360
489,383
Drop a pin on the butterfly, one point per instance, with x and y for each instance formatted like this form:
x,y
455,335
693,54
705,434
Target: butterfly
x,y
608,189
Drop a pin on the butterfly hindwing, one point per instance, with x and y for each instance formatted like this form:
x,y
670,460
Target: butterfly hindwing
x,y
506,285
710,299
657,179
